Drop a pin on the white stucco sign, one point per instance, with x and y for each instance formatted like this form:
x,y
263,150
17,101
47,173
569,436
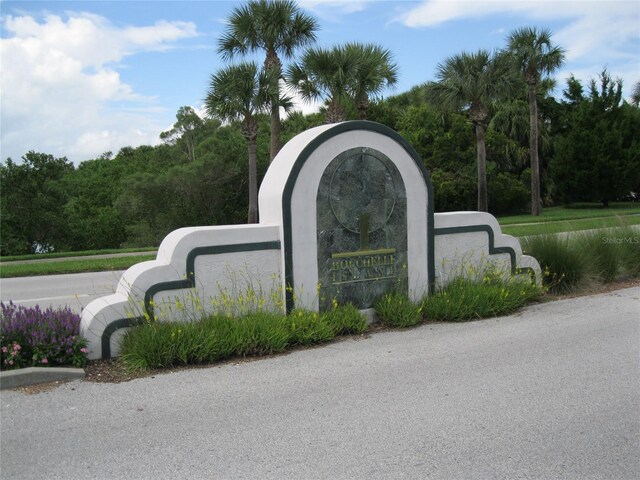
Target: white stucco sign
x,y
346,213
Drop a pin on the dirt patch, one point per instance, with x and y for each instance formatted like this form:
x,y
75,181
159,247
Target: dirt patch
x,y
109,371
38,388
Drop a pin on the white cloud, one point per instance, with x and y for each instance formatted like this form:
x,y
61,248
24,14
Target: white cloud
x,y
435,12
60,77
596,33
299,104
333,10
306,107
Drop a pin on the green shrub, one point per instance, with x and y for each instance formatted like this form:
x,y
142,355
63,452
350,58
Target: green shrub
x,y
259,333
453,191
218,337
214,338
397,310
307,327
32,337
564,267
465,299
507,194
149,346
345,320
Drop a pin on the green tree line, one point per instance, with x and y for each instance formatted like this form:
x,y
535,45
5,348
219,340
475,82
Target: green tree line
x,y
479,128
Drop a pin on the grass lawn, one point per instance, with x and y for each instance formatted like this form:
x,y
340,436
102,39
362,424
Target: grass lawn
x,y
84,253
575,212
524,230
553,220
11,269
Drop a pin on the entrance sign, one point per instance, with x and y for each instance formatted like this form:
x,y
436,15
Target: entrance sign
x,y
361,214
346,214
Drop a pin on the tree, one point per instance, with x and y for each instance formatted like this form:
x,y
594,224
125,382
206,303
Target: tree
x,y
474,82
92,221
342,76
278,28
635,95
511,118
184,132
597,153
375,71
240,92
328,75
32,199
535,56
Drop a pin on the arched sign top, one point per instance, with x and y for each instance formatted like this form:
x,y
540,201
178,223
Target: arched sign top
x,y
352,164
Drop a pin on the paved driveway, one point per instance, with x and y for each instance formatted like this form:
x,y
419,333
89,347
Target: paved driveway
x,y
549,393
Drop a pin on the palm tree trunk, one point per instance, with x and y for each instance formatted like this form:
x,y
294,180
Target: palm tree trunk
x,y
275,132
334,113
481,155
363,106
533,151
272,61
253,180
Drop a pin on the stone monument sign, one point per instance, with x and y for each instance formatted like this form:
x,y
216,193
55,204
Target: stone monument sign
x,y
346,214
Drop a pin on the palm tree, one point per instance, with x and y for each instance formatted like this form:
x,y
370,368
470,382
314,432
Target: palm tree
x,y
240,92
325,74
376,70
474,82
535,56
511,117
278,28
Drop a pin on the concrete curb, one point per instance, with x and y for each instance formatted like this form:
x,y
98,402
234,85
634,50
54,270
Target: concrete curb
x,y
33,375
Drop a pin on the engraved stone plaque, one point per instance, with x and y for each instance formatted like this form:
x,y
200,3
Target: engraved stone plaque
x,y
362,229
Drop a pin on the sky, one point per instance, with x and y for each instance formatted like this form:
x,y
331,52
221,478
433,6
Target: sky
x,y
82,78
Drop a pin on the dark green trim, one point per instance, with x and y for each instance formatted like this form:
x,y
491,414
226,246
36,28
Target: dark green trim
x,y
304,155
161,287
493,250
188,282
110,330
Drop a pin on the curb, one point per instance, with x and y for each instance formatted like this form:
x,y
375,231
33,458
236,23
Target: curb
x,y
83,257
34,375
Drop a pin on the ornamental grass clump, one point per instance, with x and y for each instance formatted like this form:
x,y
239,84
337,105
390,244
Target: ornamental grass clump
x,y
306,328
468,299
565,267
619,250
570,263
627,239
397,310
345,320
32,337
606,256
218,337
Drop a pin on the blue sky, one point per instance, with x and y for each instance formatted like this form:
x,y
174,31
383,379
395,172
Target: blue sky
x,y
85,77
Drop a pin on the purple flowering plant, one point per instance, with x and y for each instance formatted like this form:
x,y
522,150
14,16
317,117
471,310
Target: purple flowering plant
x,y
32,337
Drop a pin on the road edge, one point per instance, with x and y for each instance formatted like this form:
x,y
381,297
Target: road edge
x,y
23,377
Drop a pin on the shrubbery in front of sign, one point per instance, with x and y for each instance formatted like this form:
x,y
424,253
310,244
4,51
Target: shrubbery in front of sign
x,y
32,337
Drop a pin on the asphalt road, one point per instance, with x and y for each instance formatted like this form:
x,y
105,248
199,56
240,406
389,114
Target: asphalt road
x,y
550,393
74,290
